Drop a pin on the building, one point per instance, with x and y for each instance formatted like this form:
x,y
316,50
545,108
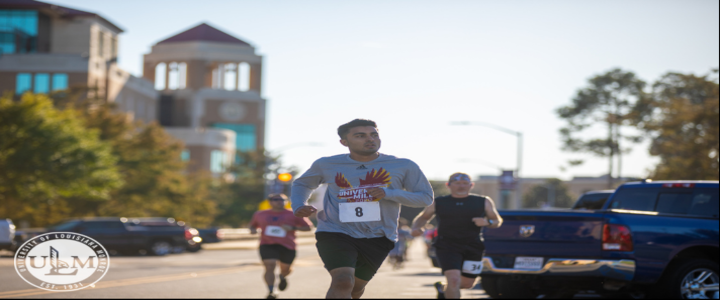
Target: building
x,y
46,48
210,85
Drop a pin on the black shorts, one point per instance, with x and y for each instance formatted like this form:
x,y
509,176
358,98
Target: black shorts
x,y
339,250
451,254
279,252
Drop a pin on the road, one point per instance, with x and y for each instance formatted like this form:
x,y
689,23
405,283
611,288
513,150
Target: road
x,y
232,270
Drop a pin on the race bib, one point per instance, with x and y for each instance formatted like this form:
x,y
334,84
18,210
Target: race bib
x,y
472,267
276,231
359,212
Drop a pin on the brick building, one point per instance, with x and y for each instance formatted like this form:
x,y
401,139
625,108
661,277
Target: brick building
x,y
210,85
46,47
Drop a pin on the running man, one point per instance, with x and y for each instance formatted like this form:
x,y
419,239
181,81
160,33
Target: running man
x,y
459,245
277,242
358,226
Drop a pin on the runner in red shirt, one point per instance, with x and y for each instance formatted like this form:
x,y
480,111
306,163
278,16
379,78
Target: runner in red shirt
x,y
277,241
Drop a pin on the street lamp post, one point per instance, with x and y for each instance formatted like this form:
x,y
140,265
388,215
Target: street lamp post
x,y
519,137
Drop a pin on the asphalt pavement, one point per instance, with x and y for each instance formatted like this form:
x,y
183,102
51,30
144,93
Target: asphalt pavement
x,y
232,269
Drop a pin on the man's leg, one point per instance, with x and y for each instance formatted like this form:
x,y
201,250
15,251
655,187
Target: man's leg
x,y
270,273
452,284
285,270
359,288
467,282
343,283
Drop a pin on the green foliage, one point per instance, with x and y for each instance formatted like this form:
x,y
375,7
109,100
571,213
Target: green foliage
x,y
238,199
538,196
682,119
49,160
611,100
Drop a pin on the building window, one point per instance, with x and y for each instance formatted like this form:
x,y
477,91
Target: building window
x,y
160,70
185,155
177,75
18,31
245,139
59,82
113,47
218,161
244,74
23,82
230,77
101,43
42,83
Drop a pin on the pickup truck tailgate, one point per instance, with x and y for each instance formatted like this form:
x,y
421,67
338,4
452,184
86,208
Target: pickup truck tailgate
x,y
549,234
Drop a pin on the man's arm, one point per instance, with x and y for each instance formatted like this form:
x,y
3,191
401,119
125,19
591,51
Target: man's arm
x,y
418,225
490,214
301,224
417,193
302,188
253,224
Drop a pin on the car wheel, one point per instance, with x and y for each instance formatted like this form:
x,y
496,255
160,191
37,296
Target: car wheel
x,y
690,279
160,248
501,287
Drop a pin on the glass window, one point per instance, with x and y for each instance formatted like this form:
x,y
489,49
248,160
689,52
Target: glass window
x,y
59,81
635,199
18,31
160,70
704,203
185,155
592,201
245,139
42,83
674,203
101,43
23,82
244,74
218,160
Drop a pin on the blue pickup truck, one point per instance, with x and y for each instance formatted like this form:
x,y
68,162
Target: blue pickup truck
x,y
648,239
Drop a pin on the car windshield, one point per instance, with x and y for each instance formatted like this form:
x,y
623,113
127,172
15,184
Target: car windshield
x,y
592,201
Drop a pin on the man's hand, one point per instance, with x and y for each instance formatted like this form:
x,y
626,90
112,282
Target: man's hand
x,y
287,227
253,230
305,211
479,222
417,232
377,193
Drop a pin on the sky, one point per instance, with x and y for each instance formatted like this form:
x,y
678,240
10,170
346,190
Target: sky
x,y
414,67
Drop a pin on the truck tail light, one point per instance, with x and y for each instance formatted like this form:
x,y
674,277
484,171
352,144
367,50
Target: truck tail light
x,y
617,238
188,234
678,185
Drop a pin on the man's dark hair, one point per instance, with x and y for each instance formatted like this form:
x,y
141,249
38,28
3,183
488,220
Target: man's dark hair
x,y
345,128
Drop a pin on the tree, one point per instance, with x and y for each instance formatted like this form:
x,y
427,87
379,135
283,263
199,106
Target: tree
x,y
156,184
682,119
239,198
543,194
49,159
610,100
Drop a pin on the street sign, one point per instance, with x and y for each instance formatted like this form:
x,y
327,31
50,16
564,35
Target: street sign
x,y
507,180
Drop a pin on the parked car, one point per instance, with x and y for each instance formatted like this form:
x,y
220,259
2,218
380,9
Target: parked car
x,y
192,236
649,238
7,235
117,234
211,235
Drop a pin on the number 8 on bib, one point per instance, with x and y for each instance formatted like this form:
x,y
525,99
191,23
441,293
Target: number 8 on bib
x,y
359,212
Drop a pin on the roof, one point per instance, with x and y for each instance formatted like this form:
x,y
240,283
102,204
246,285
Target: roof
x,y
205,33
61,11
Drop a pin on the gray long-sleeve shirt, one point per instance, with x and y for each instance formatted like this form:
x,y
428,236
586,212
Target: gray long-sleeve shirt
x,y
347,179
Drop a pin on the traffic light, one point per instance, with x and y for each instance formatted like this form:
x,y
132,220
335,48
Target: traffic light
x,y
285,177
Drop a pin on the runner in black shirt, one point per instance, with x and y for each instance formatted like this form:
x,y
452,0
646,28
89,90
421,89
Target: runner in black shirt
x,y
461,217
